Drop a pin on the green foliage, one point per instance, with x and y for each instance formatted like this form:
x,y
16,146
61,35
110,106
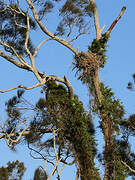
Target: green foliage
x,y
40,174
12,34
13,114
14,170
110,107
99,47
75,136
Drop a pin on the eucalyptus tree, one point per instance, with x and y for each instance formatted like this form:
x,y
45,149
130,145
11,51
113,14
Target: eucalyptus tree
x,y
61,127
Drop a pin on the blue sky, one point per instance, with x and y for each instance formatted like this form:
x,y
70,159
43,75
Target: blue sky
x,y
57,60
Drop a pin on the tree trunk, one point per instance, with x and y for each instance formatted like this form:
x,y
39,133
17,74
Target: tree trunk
x,y
108,150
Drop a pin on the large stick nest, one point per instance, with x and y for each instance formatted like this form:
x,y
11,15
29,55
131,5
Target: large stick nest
x,y
87,65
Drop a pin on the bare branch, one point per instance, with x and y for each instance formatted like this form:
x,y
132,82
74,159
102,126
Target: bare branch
x,y
27,37
29,53
37,49
57,158
59,173
81,33
10,141
62,41
15,62
42,157
96,22
16,54
21,86
117,19
132,170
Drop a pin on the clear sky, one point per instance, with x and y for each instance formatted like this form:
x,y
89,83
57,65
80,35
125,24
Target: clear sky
x,y
57,60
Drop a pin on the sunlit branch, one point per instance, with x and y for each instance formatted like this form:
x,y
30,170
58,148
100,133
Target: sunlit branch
x,y
43,28
37,49
116,20
96,22
27,37
23,87
15,62
29,53
10,141
65,81
59,173
17,23
19,11
57,158
132,170
15,53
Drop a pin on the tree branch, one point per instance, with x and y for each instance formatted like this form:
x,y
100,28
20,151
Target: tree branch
x,y
37,49
62,41
15,53
65,81
15,62
10,141
96,21
21,86
117,19
132,170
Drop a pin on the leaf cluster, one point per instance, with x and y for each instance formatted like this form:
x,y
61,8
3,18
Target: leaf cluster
x,y
14,170
99,47
110,107
12,112
14,27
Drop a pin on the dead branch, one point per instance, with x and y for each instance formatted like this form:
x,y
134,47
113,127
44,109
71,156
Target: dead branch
x,y
27,37
29,53
116,20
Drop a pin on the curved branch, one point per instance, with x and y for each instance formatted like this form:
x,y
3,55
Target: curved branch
x,y
65,81
21,86
15,62
62,41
